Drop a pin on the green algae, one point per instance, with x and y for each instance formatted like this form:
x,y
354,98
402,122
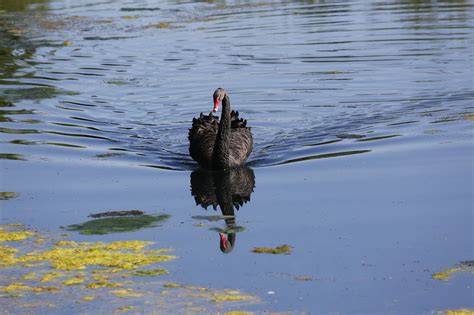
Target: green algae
x,y
150,273
216,297
75,280
9,236
283,249
445,275
118,224
123,255
462,311
74,262
303,278
161,25
126,293
18,287
5,195
124,309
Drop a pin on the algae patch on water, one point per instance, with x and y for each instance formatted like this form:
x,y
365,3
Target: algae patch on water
x,y
283,249
67,272
118,224
151,272
18,286
5,195
123,255
462,311
13,232
445,275
126,293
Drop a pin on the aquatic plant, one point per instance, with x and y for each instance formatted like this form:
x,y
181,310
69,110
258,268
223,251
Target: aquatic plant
x,y
118,224
5,195
283,249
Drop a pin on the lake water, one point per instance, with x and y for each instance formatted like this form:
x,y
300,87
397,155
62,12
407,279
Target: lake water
x,y
362,114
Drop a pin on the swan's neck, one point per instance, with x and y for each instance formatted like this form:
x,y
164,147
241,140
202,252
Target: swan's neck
x,y
222,145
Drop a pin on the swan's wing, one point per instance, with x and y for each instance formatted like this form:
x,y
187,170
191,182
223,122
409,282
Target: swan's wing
x,y
241,144
202,137
237,122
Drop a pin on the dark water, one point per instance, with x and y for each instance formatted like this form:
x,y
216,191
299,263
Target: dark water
x,y
362,115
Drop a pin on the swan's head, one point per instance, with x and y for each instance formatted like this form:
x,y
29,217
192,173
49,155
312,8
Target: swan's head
x,y
227,242
218,97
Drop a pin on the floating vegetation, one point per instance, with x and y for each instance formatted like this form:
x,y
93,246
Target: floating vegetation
x,y
74,281
5,195
130,17
445,275
469,117
161,25
18,286
99,267
224,297
462,311
116,213
126,293
9,236
118,224
122,254
283,249
12,156
151,272
303,278
117,82
124,309
212,217
49,276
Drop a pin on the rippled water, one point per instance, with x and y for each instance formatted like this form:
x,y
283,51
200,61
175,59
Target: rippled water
x,y
125,87
362,114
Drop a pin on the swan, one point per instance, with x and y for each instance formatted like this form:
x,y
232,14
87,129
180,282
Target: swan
x,y
220,144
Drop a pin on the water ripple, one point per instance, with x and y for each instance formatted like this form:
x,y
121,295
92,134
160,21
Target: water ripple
x,y
315,80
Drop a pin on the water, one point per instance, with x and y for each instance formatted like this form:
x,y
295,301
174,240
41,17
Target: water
x,y
362,121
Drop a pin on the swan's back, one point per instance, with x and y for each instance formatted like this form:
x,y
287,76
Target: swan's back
x,y
202,137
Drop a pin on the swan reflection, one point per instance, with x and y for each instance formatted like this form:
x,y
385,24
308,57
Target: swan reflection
x,y
227,189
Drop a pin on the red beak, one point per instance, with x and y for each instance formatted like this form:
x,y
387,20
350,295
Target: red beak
x,y
223,240
216,104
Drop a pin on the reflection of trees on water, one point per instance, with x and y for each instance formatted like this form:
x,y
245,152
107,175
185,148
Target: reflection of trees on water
x,y
228,190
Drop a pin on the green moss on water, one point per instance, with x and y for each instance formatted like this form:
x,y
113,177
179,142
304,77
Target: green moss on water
x,y
283,249
461,311
11,156
5,195
118,224
445,275
161,25
150,273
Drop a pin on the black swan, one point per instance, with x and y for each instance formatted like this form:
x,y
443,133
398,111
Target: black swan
x,y
220,144
229,189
